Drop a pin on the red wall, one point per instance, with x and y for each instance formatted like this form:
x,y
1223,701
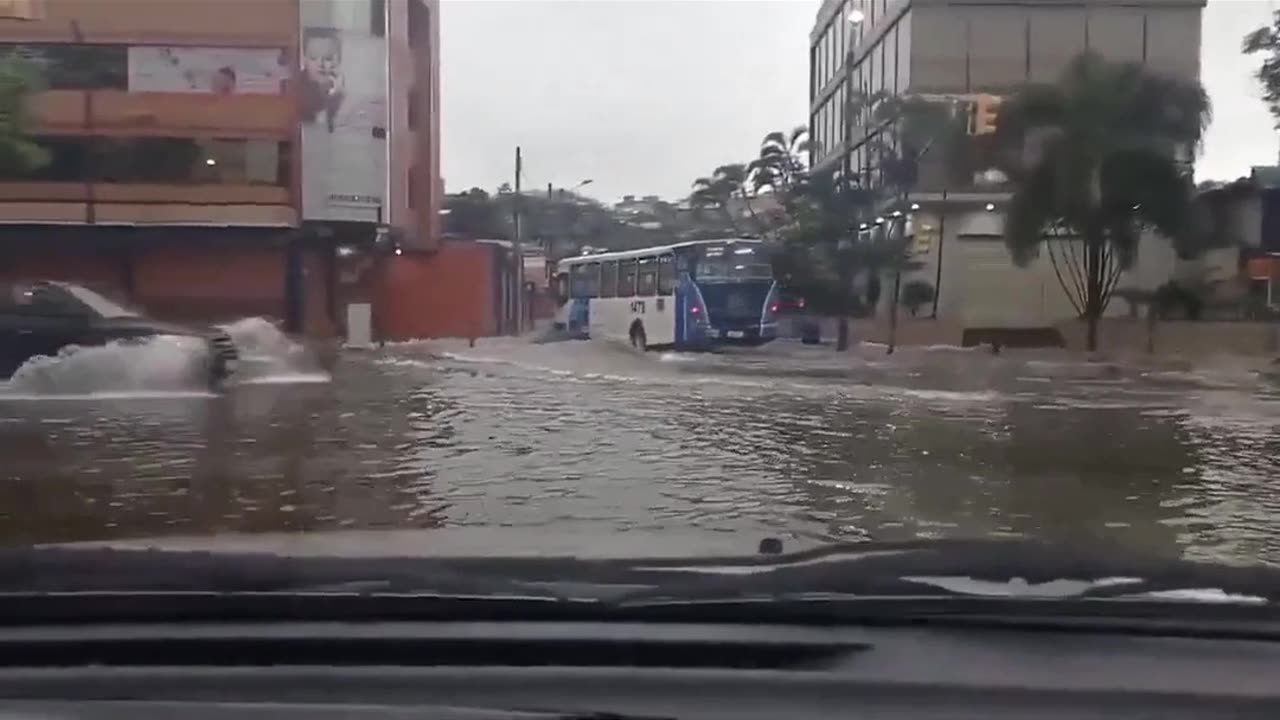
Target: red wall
x,y
205,284
449,293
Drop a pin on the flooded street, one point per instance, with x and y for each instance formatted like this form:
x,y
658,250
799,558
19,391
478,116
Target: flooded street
x,y
569,446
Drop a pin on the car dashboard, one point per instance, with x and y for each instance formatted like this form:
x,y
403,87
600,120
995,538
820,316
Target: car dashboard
x,y
475,670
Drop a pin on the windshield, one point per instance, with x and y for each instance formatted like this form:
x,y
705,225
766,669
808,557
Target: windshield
x,y
99,304
567,279
733,262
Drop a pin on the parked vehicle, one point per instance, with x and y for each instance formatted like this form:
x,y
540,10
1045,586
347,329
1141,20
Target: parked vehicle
x,y
42,318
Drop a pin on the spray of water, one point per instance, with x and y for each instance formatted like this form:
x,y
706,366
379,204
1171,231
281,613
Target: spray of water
x,y
164,364
159,364
269,356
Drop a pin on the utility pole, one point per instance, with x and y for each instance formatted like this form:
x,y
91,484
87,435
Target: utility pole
x,y
519,248
91,211
548,238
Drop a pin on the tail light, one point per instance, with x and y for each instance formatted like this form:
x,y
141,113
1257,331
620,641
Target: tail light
x,y
696,310
773,308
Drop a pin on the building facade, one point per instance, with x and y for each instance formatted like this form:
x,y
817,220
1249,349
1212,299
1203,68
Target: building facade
x,y
208,160
966,49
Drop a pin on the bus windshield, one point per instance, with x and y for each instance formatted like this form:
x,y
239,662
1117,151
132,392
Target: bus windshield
x,y
729,262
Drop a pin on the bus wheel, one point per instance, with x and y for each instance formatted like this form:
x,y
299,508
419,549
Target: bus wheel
x,y
638,339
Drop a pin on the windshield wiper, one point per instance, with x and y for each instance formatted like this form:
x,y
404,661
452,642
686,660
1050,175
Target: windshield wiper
x,y
952,569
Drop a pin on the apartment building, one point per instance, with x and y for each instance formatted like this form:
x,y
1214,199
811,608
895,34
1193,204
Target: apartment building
x,y
965,49
211,159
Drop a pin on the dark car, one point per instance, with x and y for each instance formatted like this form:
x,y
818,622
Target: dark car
x,y
41,318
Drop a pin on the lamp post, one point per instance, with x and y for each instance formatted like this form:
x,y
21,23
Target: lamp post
x,y
854,19
551,198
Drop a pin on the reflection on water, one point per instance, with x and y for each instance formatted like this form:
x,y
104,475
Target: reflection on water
x,y
578,442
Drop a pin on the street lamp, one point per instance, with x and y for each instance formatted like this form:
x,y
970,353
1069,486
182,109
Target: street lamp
x,y
548,248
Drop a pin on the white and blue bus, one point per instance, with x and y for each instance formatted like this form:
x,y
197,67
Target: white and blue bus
x,y
687,296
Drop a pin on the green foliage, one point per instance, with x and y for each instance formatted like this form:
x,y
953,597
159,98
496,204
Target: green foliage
x,y
833,231
561,224
18,154
1265,41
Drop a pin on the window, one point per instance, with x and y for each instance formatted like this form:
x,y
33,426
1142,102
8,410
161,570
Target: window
x,y
419,22
820,49
609,279
409,185
99,304
666,275
412,103
159,160
903,32
378,18
873,83
76,67
727,262
21,9
998,49
842,22
41,299
626,278
647,277
837,109
68,162
813,73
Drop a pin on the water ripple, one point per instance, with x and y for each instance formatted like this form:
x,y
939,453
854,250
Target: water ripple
x,y
581,444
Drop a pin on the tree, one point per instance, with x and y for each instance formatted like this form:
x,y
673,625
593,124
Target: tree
x,y
780,169
474,214
1095,161
1266,41
18,154
727,184
908,128
560,223
820,254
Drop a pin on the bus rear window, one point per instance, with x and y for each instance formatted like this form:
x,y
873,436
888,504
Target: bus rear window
x,y
730,263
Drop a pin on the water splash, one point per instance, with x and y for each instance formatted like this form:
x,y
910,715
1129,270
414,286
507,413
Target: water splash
x,y
160,364
268,356
164,365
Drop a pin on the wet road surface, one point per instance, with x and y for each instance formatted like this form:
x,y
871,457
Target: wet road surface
x,y
571,446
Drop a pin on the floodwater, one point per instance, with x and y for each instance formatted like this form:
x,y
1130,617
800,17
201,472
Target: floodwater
x,y
569,447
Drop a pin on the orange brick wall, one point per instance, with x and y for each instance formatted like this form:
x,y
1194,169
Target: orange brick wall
x,y
449,293
191,284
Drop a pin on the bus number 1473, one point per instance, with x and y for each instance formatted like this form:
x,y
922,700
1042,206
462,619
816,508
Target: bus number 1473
x,y
637,306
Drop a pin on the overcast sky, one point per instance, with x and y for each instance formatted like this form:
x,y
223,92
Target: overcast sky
x,y
642,96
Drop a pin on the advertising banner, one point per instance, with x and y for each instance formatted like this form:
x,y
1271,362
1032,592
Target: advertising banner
x,y
344,111
220,71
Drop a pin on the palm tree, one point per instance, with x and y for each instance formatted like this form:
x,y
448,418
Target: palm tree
x,y
1266,40
713,193
727,183
1095,159
782,161
820,254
